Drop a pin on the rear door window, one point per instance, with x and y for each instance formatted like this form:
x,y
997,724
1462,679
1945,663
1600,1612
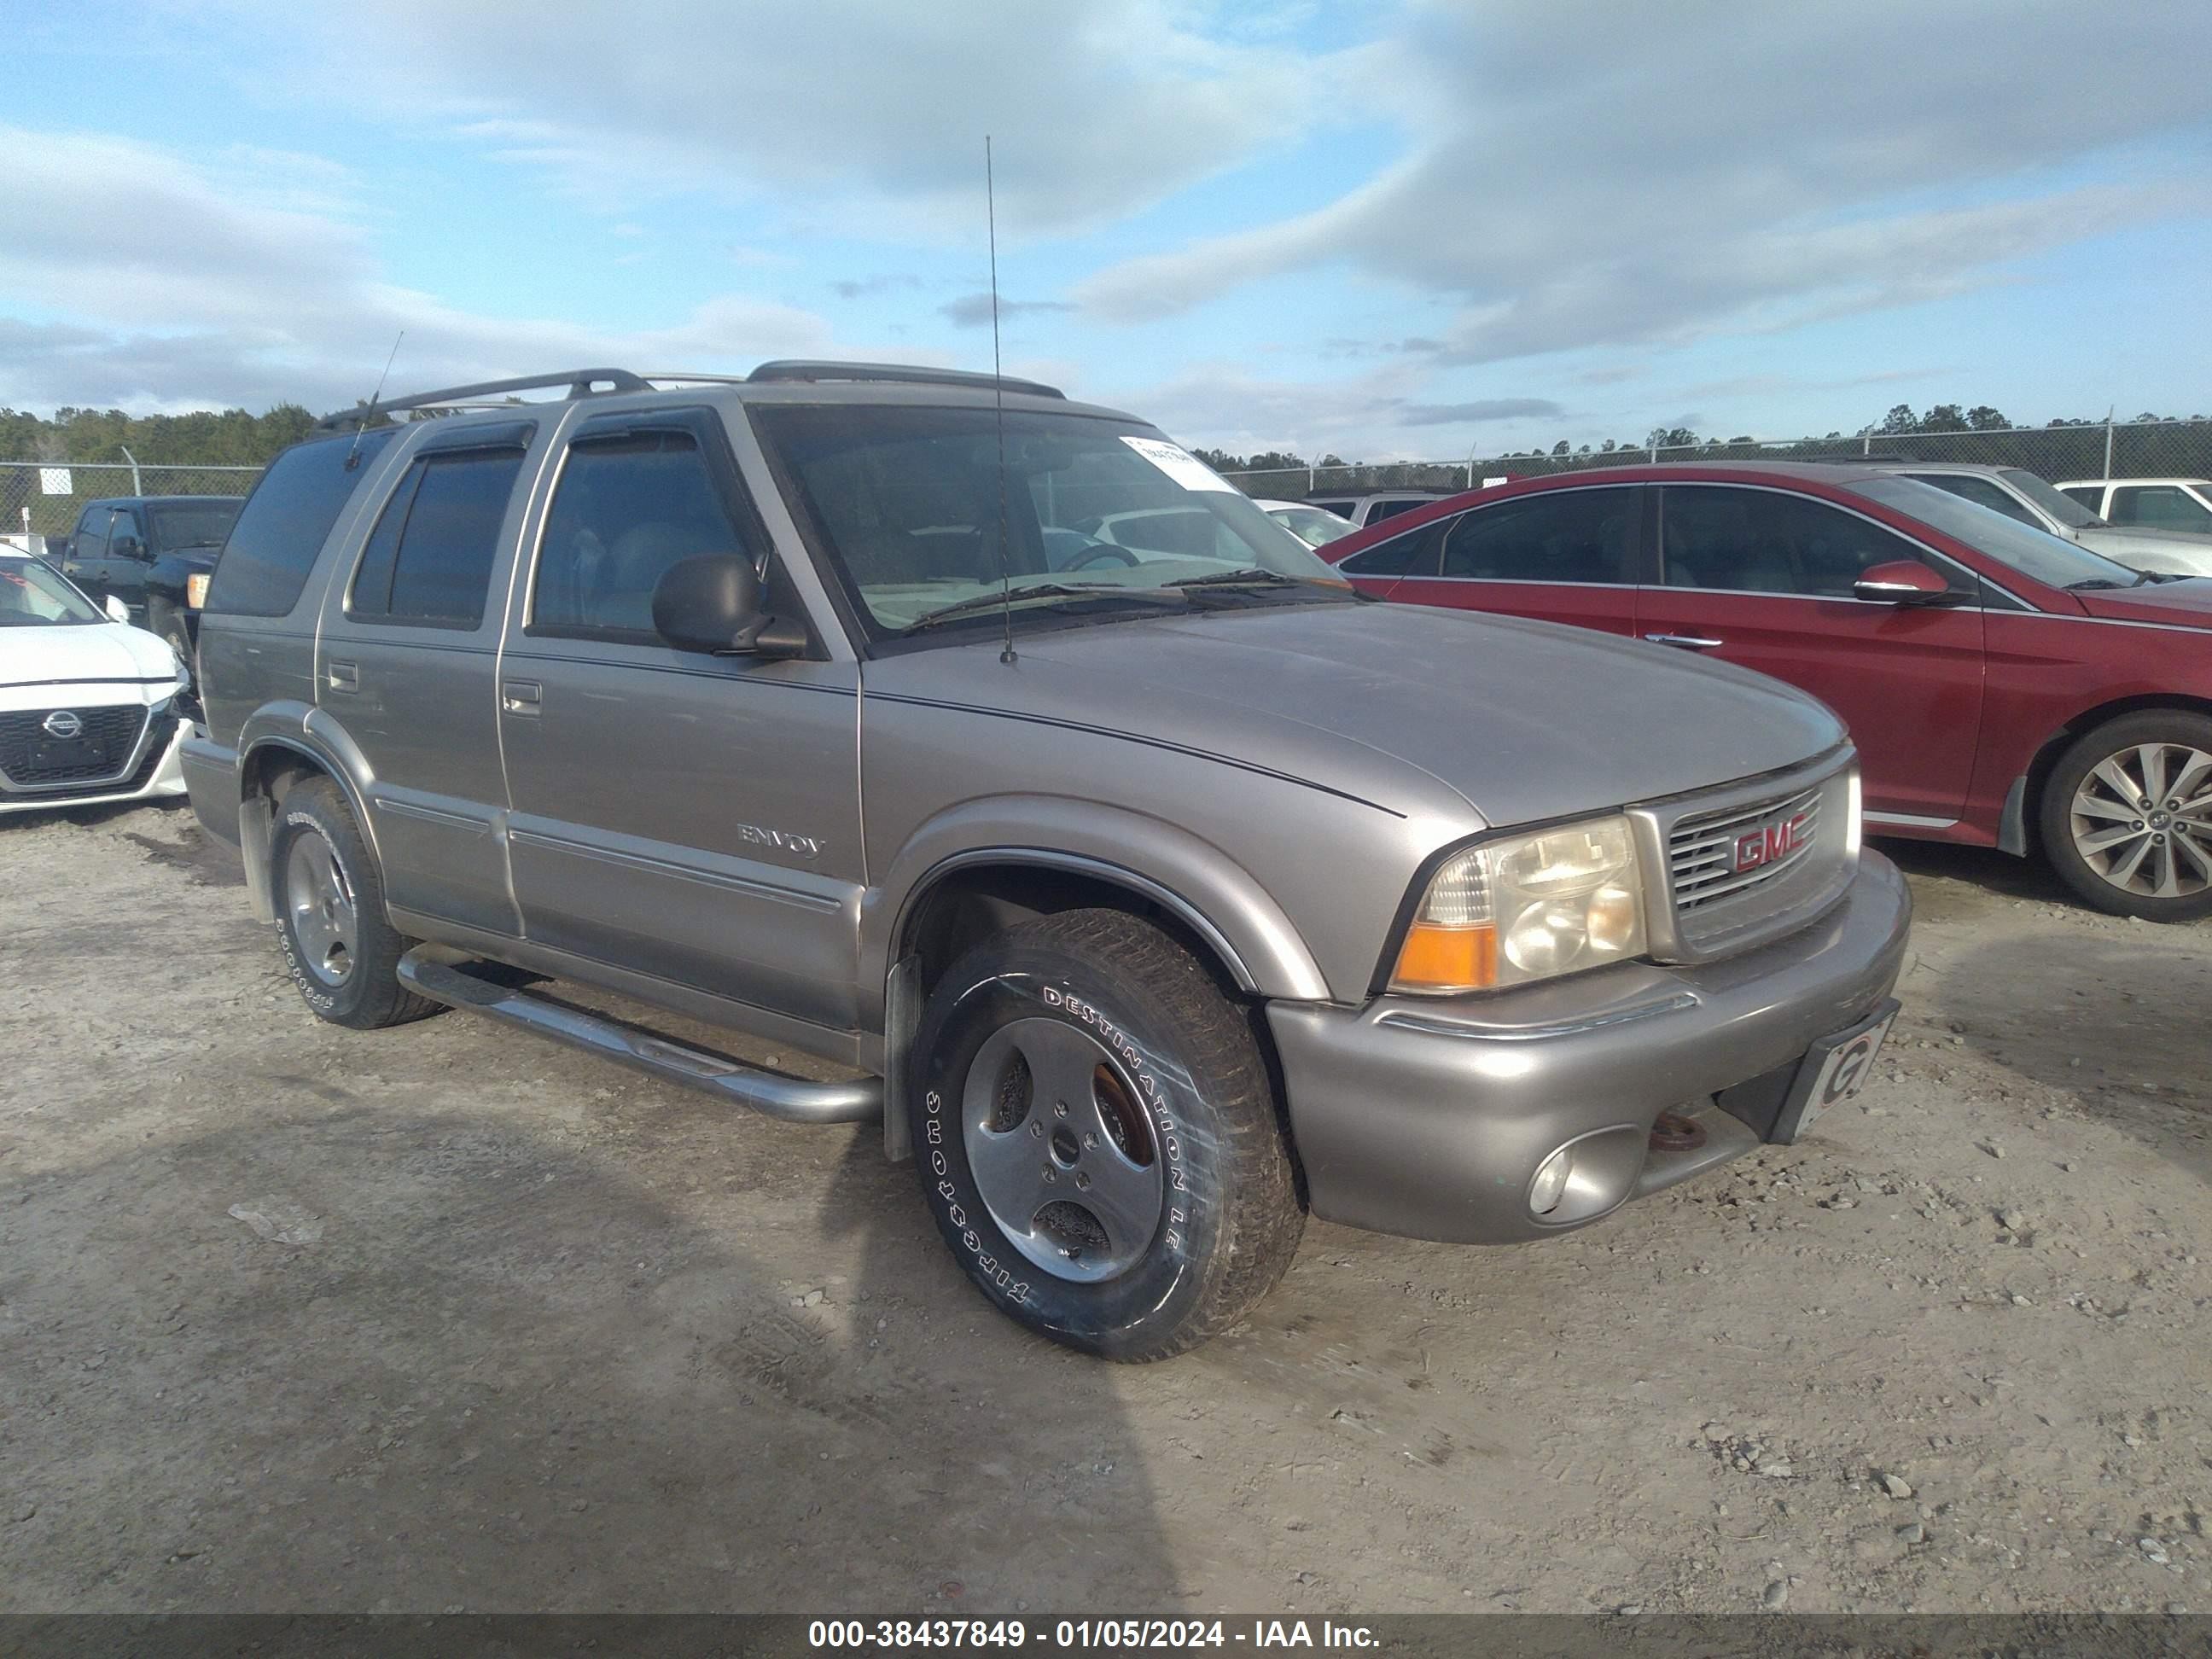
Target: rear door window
x,y
1412,554
281,528
90,541
428,561
1380,510
1567,536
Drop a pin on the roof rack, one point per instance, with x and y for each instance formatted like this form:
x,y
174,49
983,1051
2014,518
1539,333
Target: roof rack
x,y
580,382
797,369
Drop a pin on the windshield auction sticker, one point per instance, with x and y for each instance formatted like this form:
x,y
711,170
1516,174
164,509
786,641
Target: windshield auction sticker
x,y
1179,463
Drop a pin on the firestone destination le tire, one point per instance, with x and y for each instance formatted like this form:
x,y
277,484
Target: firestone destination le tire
x,y
2126,816
1096,1136
343,952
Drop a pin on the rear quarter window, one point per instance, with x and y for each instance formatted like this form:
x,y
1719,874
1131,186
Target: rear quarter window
x,y
281,528
1413,554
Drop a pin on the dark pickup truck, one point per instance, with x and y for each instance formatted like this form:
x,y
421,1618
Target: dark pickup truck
x,y
147,550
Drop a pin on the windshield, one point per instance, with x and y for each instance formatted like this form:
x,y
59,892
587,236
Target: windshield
x,y
2037,554
1311,525
192,523
35,595
2059,505
1102,518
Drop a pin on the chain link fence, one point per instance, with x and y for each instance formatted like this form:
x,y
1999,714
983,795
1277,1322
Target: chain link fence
x,y
2130,449
45,498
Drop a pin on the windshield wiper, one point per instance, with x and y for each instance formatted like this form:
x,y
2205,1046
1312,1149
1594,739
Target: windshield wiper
x,y
1250,576
186,547
2098,581
969,607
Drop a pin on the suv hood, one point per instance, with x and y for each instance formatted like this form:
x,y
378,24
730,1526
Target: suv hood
x,y
1523,720
83,651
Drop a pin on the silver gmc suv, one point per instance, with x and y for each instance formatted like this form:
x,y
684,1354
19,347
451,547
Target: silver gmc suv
x,y
1153,889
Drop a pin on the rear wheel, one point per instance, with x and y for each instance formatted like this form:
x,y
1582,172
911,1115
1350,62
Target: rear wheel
x,y
2127,816
344,954
1098,1139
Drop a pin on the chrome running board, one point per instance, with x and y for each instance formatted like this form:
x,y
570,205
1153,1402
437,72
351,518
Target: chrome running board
x,y
443,976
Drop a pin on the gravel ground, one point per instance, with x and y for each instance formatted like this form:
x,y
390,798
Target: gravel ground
x,y
298,1318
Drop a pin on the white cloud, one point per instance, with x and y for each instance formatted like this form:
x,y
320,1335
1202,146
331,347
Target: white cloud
x,y
1604,175
868,106
213,297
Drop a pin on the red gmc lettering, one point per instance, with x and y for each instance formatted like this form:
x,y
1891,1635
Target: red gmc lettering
x,y
1766,845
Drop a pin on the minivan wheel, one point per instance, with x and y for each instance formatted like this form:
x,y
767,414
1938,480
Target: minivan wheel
x,y
344,954
1096,1136
2127,816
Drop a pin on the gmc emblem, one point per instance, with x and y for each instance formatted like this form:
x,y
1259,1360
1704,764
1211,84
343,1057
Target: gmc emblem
x,y
1773,843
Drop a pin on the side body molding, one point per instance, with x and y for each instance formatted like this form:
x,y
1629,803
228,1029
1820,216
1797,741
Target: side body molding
x,y
1192,878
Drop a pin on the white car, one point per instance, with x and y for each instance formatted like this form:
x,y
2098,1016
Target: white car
x,y
2183,504
87,704
2019,493
1314,526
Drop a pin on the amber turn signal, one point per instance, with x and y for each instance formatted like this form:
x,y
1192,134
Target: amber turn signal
x,y
1435,958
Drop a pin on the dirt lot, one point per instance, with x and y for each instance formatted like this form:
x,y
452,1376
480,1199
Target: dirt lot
x,y
551,1336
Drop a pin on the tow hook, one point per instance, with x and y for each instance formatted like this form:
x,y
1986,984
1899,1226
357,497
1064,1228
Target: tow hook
x,y
1671,1131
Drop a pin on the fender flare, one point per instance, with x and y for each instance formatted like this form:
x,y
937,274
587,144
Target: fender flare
x,y
300,729
1192,880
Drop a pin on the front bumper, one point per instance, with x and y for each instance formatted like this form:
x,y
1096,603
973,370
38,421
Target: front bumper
x,y
159,772
1428,1117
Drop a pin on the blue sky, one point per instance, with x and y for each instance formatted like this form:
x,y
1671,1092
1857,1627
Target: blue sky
x,y
1386,230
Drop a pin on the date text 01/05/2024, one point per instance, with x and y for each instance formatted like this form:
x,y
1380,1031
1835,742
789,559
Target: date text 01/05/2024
x,y
1084,1633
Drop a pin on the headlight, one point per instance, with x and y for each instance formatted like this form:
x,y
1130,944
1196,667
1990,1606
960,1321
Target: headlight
x,y
196,587
1526,908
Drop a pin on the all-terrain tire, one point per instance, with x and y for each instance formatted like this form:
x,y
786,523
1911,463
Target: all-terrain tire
x,y
1180,1078
2161,738
368,995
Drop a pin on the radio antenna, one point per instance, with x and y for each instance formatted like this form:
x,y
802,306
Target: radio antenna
x,y
353,451
998,394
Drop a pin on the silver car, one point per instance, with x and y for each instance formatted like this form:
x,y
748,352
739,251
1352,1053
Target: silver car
x,y
1152,891
2021,495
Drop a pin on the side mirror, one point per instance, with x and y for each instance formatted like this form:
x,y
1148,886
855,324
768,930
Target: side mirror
x,y
126,547
1901,581
116,610
713,603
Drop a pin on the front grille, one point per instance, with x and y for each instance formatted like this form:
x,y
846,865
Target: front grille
x,y
1702,851
116,728
1747,870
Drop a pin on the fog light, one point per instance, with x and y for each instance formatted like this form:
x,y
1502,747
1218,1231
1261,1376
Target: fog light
x,y
1551,1182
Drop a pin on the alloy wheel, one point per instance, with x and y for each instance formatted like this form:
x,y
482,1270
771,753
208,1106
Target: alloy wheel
x,y
1063,1154
2141,819
321,901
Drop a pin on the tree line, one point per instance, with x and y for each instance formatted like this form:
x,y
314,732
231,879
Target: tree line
x,y
1900,421
229,437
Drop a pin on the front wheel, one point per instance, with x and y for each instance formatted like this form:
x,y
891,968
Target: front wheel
x,y
2127,816
1098,1139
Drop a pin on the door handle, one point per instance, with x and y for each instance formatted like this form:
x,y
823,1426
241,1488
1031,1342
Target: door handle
x,y
522,697
342,676
1687,641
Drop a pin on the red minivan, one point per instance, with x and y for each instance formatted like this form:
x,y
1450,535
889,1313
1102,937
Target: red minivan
x,y
2004,688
